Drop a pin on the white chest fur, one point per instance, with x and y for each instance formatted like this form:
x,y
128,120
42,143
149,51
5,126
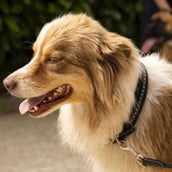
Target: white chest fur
x,y
104,156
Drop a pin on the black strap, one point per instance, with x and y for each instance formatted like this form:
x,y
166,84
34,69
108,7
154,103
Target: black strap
x,y
154,163
128,127
140,95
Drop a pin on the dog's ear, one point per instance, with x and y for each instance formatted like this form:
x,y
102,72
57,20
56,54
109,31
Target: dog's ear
x,y
116,54
117,51
116,45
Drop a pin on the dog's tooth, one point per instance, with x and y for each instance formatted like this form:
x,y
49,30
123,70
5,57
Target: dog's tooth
x,y
55,94
49,98
59,89
32,110
44,101
35,108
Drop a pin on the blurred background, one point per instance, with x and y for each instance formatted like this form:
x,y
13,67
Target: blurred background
x,y
28,144
21,21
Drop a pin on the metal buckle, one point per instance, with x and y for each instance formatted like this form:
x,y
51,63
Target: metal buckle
x,y
139,159
124,145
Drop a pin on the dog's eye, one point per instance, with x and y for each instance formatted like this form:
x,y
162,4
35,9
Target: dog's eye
x,y
52,60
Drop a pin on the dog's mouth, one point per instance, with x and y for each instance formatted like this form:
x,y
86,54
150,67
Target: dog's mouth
x,y
37,105
150,43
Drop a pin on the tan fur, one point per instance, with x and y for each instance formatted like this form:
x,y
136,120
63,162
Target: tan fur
x,y
103,70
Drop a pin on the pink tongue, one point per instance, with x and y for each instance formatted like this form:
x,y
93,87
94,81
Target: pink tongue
x,y
28,104
148,44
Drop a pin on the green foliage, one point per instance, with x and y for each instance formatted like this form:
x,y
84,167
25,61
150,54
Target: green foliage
x,y
21,21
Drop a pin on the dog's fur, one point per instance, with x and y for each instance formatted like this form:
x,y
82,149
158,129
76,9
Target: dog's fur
x,y
161,27
103,70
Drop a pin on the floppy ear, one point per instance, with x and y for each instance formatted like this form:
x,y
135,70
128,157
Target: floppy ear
x,y
116,55
116,44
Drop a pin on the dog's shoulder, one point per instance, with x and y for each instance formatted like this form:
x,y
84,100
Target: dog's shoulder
x,y
158,68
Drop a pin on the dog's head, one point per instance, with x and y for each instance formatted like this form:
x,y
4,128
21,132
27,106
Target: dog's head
x,y
158,31
160,25
75,60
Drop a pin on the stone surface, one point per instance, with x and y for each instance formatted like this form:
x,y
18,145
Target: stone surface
x,y
32,145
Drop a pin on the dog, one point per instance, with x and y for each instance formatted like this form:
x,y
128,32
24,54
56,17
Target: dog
x,y
91,75
159,33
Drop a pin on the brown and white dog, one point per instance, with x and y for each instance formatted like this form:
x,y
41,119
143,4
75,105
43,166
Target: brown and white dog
x,y
91,75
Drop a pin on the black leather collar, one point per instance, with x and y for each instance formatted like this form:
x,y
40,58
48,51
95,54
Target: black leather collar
x,y
128,127
140,95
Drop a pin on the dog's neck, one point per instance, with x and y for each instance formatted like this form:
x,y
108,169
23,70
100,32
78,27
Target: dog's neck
x,y
140,95
108,122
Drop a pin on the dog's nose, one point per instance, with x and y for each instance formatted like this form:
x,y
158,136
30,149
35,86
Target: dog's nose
x,y
9,84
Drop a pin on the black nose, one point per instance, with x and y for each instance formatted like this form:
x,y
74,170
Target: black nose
x,y
9,84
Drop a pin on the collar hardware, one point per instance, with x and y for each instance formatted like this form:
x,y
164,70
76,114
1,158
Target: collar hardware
x,y
141,160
